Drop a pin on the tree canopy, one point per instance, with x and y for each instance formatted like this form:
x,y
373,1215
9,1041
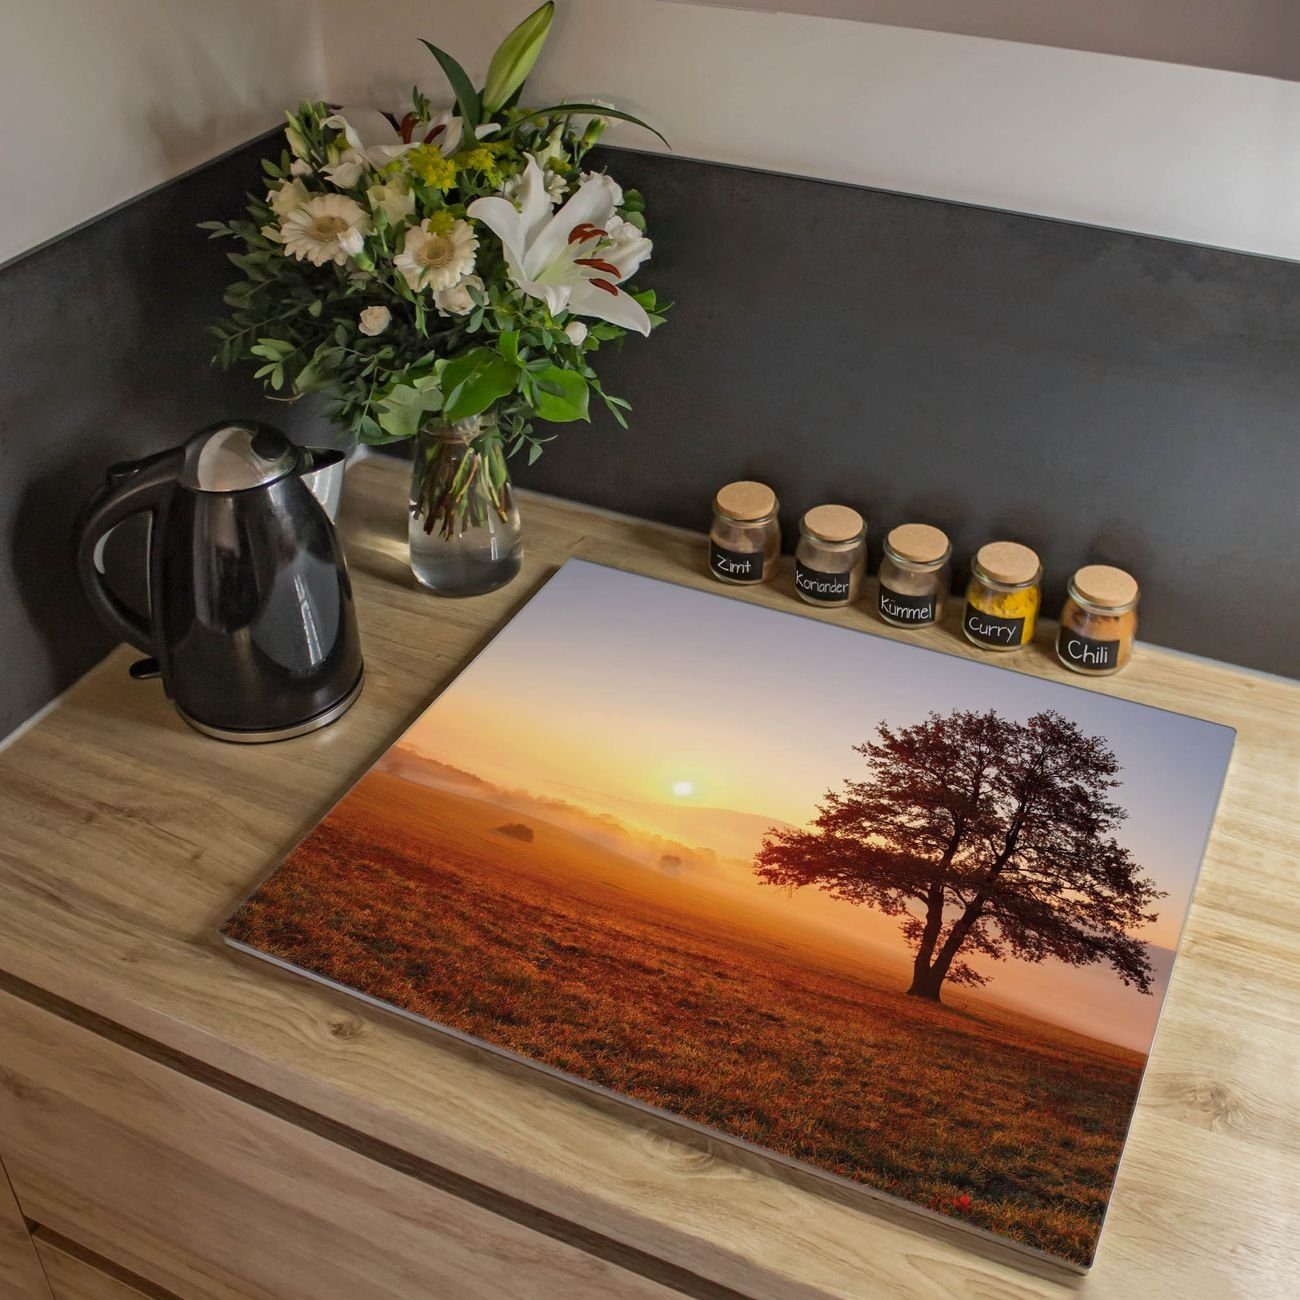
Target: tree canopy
x,y
984,836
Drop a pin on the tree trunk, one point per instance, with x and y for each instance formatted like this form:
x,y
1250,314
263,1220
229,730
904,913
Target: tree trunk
x,y
926,984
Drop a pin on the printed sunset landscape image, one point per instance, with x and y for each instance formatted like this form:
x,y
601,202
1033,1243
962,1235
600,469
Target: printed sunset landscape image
x,y
900,917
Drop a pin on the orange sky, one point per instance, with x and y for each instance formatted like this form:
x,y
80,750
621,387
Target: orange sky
x,y
609,691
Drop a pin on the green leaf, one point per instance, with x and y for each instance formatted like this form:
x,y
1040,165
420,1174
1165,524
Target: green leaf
x,y
462,88
559,395
472,382
508,346
595,110
515,57
403,408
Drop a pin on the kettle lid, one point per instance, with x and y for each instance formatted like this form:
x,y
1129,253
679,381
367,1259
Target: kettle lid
x,y
234,455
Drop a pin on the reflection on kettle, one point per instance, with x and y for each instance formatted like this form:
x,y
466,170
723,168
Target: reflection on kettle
x,y
251,618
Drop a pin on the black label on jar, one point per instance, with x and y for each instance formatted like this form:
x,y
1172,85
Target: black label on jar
x,y
1085,653
735,566
989,629
898,608
816,585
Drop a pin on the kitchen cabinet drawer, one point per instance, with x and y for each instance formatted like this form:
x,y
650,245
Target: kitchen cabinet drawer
x,y
73,1278
217,1199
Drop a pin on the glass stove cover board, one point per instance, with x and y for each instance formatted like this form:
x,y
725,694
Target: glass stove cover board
x,y
897,916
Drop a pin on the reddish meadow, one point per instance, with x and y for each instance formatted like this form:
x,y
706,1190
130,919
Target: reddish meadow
x,y
648,985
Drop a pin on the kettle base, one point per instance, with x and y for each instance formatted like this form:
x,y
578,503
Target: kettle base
x,y
240,737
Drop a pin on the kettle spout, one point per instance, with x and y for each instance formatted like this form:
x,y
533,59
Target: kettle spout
x,y
322,472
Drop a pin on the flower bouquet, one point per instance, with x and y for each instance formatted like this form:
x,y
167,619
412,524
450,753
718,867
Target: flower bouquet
x,y
445,277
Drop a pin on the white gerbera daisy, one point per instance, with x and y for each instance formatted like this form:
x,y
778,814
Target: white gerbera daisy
x,y
429,260
324,229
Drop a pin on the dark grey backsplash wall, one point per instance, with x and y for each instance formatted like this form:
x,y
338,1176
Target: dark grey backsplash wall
x,y
1096,394
103,357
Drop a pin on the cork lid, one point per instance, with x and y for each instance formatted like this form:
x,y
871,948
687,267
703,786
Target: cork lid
x,y
745,500
1008,562
920,543
1102,584
834,523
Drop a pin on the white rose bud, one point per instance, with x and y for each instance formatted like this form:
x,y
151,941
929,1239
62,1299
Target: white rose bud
x,y
576,332
352,241
374,320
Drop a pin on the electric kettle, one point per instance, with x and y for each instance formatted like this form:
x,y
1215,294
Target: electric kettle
x,y
251,620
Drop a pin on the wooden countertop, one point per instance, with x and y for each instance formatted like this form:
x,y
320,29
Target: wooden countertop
x,y
128,837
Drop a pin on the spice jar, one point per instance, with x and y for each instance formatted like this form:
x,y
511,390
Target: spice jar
x,y
914,575
831,557
1003,597
1099,620
745,540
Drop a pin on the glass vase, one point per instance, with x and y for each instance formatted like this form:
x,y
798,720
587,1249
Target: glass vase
x,y
465,534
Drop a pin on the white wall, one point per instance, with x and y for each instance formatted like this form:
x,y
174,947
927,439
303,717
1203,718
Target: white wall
x,y
1186,152
1261,36
102,99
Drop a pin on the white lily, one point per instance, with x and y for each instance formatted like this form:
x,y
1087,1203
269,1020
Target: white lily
x,y
373,142
559,257
445,130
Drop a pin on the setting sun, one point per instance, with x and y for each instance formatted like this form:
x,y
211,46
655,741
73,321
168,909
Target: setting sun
x,y
683,789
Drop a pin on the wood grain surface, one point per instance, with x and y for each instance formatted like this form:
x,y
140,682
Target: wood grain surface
x,y
21,1276
129,837
217,1200
73,1275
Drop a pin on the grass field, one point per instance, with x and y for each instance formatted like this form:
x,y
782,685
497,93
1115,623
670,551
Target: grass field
x,y
655,988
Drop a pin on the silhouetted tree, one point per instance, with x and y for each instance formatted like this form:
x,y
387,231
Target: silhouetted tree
x,y
986,836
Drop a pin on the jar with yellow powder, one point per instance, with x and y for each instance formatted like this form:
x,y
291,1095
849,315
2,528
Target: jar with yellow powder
x,y
1003,597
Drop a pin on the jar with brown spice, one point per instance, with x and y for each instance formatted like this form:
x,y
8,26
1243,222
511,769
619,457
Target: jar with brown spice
x,y
745,540
831,557
1098,621
915,573
1003,597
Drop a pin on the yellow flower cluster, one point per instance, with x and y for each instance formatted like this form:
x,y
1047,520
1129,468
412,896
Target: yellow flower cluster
x,y
440,222
427,163
482,158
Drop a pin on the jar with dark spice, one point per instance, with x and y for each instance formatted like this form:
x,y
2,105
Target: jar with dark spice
x,y
1003,597
831,557
745,540
915,573
1099,621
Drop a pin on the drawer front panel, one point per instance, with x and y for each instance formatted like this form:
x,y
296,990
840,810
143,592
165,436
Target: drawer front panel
x,y
216,1199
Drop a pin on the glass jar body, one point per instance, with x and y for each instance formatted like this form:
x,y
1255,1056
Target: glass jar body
x,y
829,573
1093,639
911,594
465,533
744,552
1000,616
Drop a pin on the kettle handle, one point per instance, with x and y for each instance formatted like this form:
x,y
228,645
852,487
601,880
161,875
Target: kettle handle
x,y
132,488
